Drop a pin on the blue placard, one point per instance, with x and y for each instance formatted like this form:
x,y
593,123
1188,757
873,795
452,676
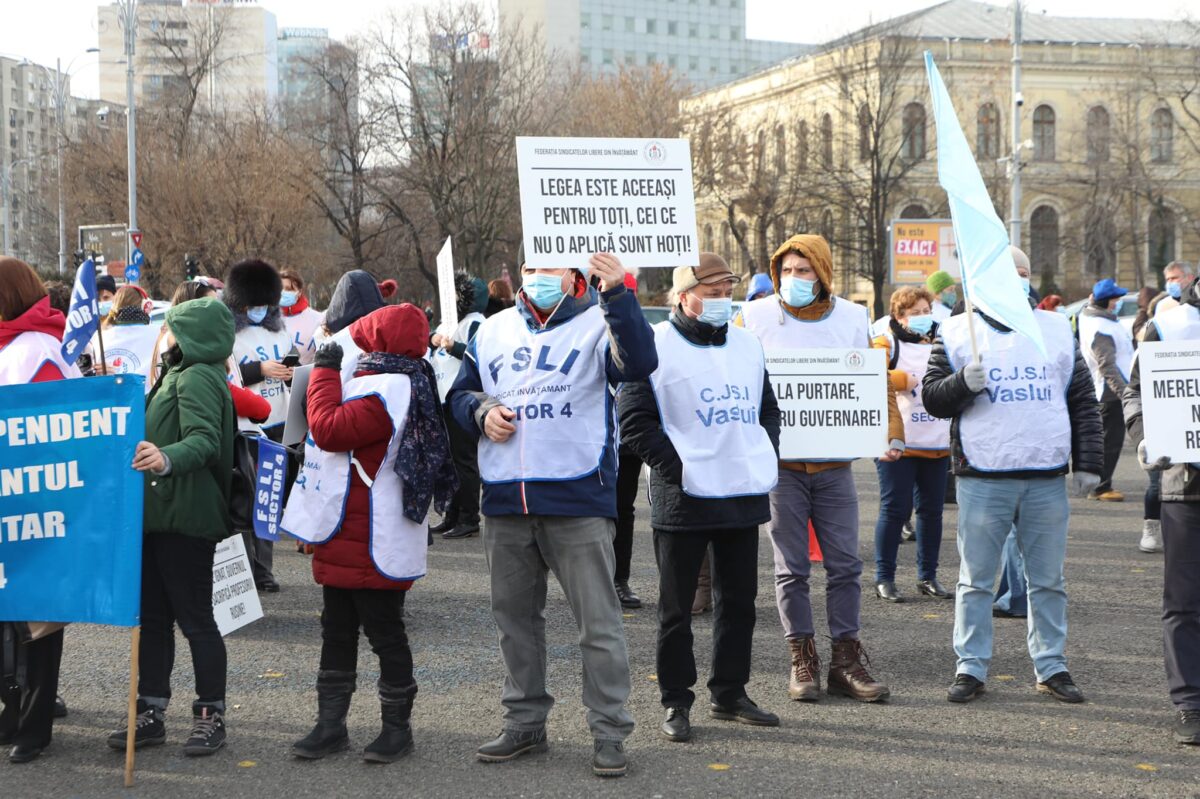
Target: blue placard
x,y
269,486
70,501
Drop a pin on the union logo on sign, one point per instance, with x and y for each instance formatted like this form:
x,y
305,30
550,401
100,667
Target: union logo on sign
x,y
854,360
654,152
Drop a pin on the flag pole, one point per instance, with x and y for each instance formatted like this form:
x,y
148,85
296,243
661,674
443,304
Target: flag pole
x,y
970,306
131,720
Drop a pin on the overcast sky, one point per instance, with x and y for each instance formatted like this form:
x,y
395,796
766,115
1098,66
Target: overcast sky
x,y
43,30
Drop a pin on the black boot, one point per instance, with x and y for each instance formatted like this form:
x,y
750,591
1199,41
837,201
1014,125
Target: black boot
x,y
334,689
395,741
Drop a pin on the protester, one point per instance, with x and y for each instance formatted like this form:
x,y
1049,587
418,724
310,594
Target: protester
x,y
922,471
370,525
549,474
500,296
188,461
106,290
1180,523
1020,418
31,333
760,286
60,296
941,285
804,313
1178,277
629,474
262,344
462,517
129,338
1145,296
1108,352
1050,303
355,295
708,486
301,319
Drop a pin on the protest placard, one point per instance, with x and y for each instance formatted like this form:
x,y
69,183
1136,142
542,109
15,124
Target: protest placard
x,y
833,403
70,501
629,197
268,490
447,297
1171,399
295,427
235,599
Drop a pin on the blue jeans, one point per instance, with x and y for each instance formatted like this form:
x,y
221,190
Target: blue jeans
x,y
1011,595
988,508
897,482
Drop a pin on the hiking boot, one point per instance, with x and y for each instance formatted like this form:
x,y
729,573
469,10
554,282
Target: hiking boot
x,y
628,599
208,731
395,709
511,744
334,690
848,673
1151,536
150,728
1062,688
804,681
1187,727
608,759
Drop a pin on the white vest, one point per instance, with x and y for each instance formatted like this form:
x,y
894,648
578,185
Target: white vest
x,y
554,380
255,343
921,430
940,312
445,365
301,328
128,349
847,325
881,326
1089,327
317,504
1019,422
25,355
1181,323
710,400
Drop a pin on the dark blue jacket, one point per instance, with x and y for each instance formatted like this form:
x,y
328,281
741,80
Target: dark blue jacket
x,y
629,355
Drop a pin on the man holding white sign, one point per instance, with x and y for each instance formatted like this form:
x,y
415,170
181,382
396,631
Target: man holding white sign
x,y
816,344
1171,444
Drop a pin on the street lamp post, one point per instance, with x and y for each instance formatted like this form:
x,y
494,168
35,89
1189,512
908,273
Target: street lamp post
x,y
128,16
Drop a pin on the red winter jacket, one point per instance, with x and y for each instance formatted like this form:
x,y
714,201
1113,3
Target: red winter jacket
x,y
361,425
41,317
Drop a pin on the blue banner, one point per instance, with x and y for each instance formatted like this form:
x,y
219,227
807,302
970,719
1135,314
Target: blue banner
x,y
70,501
84,316
269,486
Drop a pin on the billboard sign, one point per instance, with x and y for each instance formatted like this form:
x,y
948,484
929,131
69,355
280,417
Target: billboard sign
x,y
920,247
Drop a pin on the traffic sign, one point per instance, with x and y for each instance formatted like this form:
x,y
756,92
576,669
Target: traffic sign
x,y
133,271
136,236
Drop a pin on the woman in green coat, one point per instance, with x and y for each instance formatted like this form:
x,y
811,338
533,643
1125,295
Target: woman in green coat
x,y
187,458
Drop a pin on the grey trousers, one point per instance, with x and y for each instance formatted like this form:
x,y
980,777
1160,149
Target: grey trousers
x,y
579,551
829,500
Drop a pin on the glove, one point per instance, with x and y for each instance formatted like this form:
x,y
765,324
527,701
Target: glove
x,y
1084,483
1159,465
328,357
974,376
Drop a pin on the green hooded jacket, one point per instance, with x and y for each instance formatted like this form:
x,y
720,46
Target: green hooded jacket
x,y
190,417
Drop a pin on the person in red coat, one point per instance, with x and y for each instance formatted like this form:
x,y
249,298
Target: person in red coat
x,y
388,419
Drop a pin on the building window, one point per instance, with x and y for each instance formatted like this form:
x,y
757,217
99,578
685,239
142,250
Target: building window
x,y
735,33
607,58
714,32
914,211
802,147
585,22
726,243
630,58
693,30
672,28
651,26
1161,236
780,150
827,227
651,58
1162,134
1043,243
802,222
673,61
585,58
912,145
735,67
1043,133
1097,135
987,131
708,238
630,26
826,140
606,22
864,133
693,63
1099,245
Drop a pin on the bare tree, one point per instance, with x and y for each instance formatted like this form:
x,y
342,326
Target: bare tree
x,y
636,102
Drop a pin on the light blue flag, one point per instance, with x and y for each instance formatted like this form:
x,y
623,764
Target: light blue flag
x,y
989,276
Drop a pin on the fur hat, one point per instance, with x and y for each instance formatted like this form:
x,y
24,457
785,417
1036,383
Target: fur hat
x,y
252,283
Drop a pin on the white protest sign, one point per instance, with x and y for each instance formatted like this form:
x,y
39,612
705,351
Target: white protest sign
x,y
629,197
1171,399
235,599
447,298
833,403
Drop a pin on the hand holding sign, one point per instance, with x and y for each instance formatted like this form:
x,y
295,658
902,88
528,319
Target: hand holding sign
x,y
497,425
608,268
148,458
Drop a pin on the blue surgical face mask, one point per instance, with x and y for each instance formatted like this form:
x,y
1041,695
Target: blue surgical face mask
x,y
797,292
288,299
716,311
257,314
1175,291
105,307
1025,285
544,291
949,298
921,323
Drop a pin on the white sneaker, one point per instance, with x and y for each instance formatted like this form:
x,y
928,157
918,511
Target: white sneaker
x,y
1151,536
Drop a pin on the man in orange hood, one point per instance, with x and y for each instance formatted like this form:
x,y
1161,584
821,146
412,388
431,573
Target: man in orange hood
x,y
804,313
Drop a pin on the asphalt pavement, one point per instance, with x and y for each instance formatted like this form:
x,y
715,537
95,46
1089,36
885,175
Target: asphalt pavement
x,y
1011,743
